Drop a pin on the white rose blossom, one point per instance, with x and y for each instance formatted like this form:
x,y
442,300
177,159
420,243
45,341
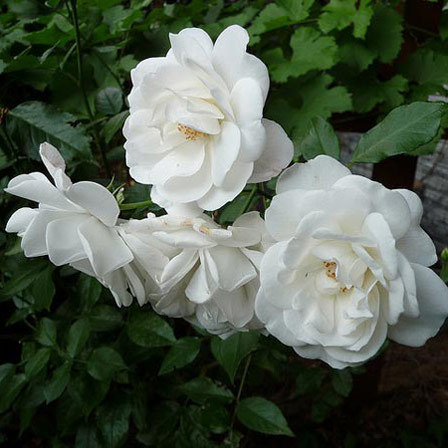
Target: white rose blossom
x,y
211,278
75,223
196,130
349,267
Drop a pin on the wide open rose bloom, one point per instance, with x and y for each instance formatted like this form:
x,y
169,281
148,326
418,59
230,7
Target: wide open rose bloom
x,y
349,268
75,223
196,130
211,278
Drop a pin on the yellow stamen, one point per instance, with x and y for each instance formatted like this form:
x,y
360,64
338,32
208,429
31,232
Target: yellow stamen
x,y
190,134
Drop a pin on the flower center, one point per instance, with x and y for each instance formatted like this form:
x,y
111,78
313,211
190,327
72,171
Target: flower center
x,y
190,134
330,269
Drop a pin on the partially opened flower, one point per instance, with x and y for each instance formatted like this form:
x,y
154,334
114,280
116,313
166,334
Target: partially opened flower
x,y
211,278
349,268
196,129
73,224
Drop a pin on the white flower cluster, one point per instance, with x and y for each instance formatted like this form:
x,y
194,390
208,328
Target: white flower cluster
x,y
339,265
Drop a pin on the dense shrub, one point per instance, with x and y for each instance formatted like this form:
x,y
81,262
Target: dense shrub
x,y
80,372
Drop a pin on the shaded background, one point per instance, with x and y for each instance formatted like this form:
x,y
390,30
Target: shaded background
x,y
64,77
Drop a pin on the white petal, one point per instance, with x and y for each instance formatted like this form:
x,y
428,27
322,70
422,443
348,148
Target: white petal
x,y
21,219
182,189
189,210
55,165
96,199
192,45
237,306
233,185
432,295
63,242
347,207
247,103
34,240
416,245
388,203
226,148
198,289
39,189
319,173
184,238
233,267
379,230
177,268
277,154
183,161
272,317
145,67
103,246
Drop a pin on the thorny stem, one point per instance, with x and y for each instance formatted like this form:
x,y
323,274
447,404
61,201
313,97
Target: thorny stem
x,y
74,15
134,205
238,395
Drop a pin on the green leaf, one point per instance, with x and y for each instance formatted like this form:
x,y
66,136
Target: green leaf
x,y
33,122
296,9
321,139
6,372
149,330
161,422
262,415
114,124
318,99
183,352
86,437
310,51
10,389
402,131
43,290
88,291
426,66
342,381
384,35
324,404
46,332
202,390
270,18
109,101
77,336
105,318
86,392
309,380
37,362
104,363
231,351
214,418
355,54
339,14
368,92
444,271
28,274
113,420
56,386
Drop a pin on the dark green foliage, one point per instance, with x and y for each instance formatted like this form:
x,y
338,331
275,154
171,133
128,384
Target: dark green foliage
x,y
79,371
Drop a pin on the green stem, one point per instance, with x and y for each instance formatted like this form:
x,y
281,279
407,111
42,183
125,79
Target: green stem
x,y
134,205
238,395
101,150
252,194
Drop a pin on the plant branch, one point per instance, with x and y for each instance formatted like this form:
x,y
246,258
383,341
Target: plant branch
x,y
74,16
134,205
252,194
238,395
